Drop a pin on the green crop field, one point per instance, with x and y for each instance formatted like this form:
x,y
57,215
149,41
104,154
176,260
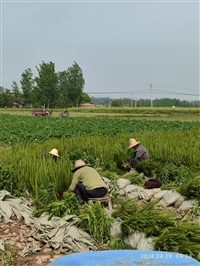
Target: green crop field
x,y
174,148
96,140
24,128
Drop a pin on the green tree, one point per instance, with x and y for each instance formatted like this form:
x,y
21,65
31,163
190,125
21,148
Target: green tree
x,y
46,84
85,98
2,97
16,91
63,96
27,85
76,84
5,98
117,103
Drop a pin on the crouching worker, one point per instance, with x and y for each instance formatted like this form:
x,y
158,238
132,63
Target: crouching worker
x,y
140,152
54,153
86,182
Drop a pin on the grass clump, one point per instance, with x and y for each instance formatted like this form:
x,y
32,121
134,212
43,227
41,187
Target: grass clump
x,y
134,178
171,234
183,238
46,194
69,205
166,172
191,189
143,218
95,221
118,244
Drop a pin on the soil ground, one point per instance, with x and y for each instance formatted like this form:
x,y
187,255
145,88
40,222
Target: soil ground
x,y
18,236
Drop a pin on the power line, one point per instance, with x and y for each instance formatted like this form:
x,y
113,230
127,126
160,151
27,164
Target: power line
x,y
167,87
117,92
180,93
155,91
145,91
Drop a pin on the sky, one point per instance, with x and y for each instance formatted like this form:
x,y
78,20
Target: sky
x,y
122,46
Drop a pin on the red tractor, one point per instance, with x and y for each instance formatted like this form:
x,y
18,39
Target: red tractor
x,y
42,113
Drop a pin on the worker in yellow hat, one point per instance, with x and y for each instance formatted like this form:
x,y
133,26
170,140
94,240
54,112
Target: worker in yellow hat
x,y
140,152
54,153
86,182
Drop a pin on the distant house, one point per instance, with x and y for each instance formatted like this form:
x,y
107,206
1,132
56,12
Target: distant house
x,y
87,105
16,104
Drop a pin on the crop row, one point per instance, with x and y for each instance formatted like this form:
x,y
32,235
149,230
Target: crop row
x,y
25,129
139,110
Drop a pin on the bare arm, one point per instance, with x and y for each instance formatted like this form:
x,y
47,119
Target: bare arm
x,y
75,181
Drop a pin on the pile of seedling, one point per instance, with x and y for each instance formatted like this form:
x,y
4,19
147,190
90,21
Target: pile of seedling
x,y
173,232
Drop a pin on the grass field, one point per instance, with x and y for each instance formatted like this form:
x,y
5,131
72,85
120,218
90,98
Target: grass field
x,y
171,114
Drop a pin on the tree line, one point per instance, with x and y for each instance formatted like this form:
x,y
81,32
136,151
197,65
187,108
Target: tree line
x,y
50,88
163,102
65,89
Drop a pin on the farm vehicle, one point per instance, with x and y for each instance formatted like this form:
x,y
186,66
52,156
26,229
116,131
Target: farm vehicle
x,y
42,113
64,114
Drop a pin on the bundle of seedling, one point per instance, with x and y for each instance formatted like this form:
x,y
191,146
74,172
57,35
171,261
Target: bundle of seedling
x,y
171,234
95,221
182,238
191,189
69,205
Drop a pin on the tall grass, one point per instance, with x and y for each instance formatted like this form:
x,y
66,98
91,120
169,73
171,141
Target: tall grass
x,y
33,171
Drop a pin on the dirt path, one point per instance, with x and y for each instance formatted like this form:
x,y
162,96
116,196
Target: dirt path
x,y
18,236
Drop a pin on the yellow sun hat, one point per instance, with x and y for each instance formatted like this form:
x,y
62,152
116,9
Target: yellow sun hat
x,y
133,143
78,164
54,152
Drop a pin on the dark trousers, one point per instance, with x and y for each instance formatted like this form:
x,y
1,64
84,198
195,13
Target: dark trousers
x,y
134,161
83,194
55,158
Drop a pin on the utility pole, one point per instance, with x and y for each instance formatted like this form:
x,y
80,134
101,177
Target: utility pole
x,y
135,102
131,99
151,93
